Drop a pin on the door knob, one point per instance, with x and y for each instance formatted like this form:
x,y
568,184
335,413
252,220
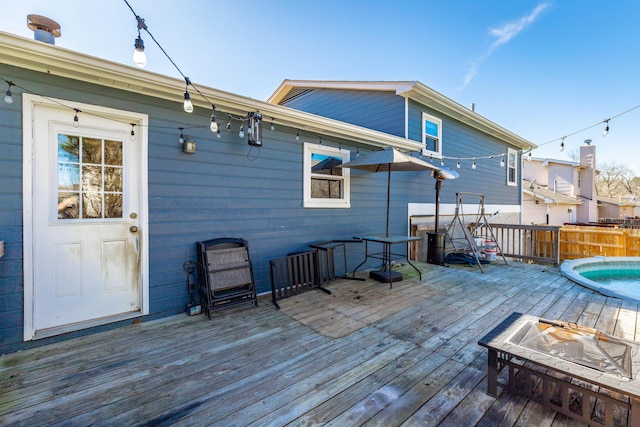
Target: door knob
x,y
133,229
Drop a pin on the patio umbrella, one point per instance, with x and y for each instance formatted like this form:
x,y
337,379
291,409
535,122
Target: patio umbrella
x,y
389,160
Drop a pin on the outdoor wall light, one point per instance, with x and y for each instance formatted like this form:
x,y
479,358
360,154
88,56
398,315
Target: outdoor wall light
x,y
189,146
255,129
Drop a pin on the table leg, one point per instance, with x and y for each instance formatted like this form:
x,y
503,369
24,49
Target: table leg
x,y
492,373
409,262
366,256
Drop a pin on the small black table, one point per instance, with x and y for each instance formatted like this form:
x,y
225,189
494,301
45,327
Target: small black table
x,y
386,275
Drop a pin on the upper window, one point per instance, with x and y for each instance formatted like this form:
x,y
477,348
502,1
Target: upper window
x,y
512,167
431,135
325,184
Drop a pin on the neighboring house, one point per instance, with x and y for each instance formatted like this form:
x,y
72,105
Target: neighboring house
x,y
544,206
101,205
620,208
449,133
556,192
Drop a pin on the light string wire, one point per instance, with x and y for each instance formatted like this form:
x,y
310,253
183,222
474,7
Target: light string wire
x,y
184,76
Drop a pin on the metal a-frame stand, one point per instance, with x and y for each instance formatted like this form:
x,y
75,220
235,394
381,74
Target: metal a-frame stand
x,y
467,242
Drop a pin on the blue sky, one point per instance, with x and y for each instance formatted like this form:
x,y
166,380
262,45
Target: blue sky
x,y
542,69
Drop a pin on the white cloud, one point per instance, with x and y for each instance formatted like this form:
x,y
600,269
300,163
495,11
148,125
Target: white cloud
x,y
503,35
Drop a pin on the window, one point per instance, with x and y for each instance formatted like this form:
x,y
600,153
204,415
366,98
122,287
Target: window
x,y
512,167
431,135
325,184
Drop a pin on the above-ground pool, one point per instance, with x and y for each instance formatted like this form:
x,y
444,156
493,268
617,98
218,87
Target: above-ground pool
x,y
611,276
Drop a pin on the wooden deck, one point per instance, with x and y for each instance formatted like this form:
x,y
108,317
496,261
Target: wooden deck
x,y
365,355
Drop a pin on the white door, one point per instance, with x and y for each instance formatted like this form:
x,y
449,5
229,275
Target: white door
x,y
87,229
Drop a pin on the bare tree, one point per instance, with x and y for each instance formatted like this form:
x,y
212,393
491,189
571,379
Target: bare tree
x,y
615,180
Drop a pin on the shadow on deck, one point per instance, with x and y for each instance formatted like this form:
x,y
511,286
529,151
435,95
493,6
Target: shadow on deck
x,y
365,355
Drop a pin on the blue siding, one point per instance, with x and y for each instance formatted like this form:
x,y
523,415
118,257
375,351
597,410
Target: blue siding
x,y
378,110
225,189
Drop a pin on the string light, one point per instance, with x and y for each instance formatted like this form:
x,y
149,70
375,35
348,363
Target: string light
x,y
218,134
298,135
606,129
442,162
188,106
214,124
76,123
458,164
273,126
529,156
8,96
181,138
357,151
562,144
502,161
241,133
229,125
473,165
133,134
139,57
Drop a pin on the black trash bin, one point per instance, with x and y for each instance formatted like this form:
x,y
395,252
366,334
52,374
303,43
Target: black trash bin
x,y
435,248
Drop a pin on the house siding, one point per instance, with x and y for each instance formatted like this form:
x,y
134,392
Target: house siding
x,y
225,189
378,110
464,142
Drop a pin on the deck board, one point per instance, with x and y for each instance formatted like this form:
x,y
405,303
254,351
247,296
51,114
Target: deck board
x,y
365,355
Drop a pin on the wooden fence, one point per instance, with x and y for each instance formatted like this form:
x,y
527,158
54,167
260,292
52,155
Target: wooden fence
x,y
588,241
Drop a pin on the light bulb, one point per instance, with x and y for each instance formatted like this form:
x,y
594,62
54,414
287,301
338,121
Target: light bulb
x,y
298,136
8,97
133,135
241,133
273,127
139,57
181,139
562,146
214,124
502,162
249,130
473,165
229,127
606,130
76,123
529,156
442,162
188,106
458,165
218,135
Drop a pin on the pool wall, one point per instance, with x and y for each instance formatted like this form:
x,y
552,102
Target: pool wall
x,y
572,269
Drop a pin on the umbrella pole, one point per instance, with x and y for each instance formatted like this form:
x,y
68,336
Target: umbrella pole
x,y
388,197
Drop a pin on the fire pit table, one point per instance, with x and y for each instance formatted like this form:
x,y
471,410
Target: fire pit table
x,y
577,371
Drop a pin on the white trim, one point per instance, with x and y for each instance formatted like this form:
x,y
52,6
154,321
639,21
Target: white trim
x,y
307,200
513,183
468,209
406,117
29,102
425,152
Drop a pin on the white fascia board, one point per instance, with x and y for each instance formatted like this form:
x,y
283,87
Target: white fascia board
x,y
54,60
286,86
439,102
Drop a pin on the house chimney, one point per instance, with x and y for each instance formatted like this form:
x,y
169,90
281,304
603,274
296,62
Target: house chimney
x,y
44,29
472,107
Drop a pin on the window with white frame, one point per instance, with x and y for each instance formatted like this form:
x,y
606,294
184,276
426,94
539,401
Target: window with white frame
x,y
325,184
431,135
512,167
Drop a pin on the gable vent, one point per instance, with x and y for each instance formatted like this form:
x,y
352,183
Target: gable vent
x,y
293,94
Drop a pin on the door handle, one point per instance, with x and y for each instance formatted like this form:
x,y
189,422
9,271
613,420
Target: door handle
x,y
133,229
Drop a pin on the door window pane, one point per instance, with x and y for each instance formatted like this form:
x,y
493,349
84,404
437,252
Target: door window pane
x,y
90,178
